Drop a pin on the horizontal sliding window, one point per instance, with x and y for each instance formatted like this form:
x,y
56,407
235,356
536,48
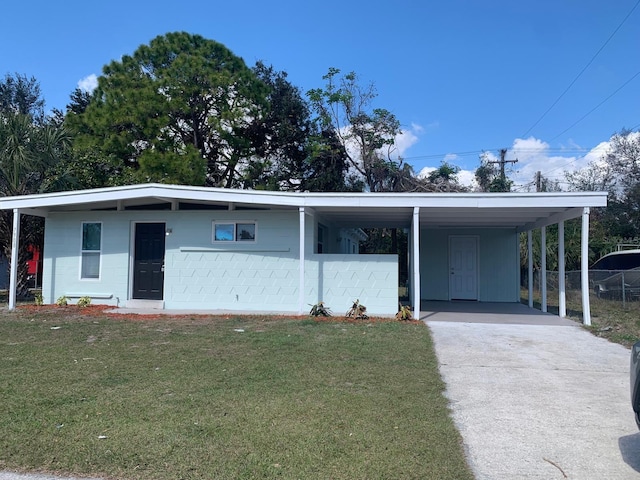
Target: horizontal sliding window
x,y
234,231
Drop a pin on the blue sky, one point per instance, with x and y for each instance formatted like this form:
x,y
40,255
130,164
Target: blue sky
x,y
462,76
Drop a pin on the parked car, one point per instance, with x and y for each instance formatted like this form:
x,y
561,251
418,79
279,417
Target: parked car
x,y
617,274
634,373
619,260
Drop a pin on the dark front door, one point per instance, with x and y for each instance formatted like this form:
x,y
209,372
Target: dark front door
x,y
148,261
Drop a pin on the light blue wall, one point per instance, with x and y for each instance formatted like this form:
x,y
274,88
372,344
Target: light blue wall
x,y
62,256
194,277
498,270
340,279
200,274
233,276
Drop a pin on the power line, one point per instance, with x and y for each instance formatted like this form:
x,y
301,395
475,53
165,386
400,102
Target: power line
x,y
581,71
479,152
440,155
596,107
547,172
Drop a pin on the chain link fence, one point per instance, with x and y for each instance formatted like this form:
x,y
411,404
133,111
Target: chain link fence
x,y
607,288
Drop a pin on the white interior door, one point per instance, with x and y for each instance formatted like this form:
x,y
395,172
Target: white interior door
x,y
463,268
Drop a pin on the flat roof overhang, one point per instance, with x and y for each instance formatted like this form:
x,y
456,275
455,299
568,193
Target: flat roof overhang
x,y
521,211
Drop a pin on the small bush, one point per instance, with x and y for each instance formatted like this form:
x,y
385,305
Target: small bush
x,y
404,313
357,311
62,301
320,310
38,299
84,302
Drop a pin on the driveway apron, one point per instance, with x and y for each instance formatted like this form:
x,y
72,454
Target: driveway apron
x,y
536,397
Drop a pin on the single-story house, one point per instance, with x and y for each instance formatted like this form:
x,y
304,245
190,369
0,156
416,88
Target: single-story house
x,y
185,247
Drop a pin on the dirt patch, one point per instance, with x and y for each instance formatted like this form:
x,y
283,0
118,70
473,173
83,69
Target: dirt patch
x,y
102,311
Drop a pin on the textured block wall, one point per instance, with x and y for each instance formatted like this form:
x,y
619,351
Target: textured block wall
x,y
260,276
339,280
255,281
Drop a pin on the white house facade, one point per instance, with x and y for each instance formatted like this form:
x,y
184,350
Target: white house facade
x,y
179,247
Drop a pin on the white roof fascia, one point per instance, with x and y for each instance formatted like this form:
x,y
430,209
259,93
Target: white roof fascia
x,y
296,199
36,212
553,219
162,192
459,200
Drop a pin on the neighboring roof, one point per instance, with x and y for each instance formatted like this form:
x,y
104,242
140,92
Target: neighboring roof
x,y
517,210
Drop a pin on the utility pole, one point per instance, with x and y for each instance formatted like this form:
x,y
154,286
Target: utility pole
x,y
538,180
502,162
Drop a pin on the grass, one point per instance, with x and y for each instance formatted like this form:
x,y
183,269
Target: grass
x,y
609,318
198,398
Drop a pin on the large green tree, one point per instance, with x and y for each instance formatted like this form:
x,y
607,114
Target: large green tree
x,y
31,146
367,134
291,152
20,94
617,172
178,110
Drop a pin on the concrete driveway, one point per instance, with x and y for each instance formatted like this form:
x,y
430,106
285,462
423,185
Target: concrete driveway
x,y
535,396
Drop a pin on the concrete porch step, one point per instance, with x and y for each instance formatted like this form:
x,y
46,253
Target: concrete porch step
x,y
147,304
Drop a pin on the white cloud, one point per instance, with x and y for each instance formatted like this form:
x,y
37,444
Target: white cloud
x,y
417,128
88,83
402,142
535,155
467,178
407,139
425,172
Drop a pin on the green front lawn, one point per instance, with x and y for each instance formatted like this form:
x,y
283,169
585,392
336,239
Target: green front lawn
x,y
212,397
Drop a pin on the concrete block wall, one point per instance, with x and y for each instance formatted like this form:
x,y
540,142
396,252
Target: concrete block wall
x,y
200,274
232,281
338,280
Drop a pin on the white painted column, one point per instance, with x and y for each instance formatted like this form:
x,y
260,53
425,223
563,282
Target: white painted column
x,y
519,263
584,267
543,268
562,294
301,279
415,230
13,275
530,266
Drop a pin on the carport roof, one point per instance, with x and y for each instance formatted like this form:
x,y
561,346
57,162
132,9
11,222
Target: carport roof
x,y
522,211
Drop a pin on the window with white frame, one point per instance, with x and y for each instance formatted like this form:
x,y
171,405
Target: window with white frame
x,y
234,231
90,250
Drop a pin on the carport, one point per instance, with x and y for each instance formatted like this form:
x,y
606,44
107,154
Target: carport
x,y
489,312
426,214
